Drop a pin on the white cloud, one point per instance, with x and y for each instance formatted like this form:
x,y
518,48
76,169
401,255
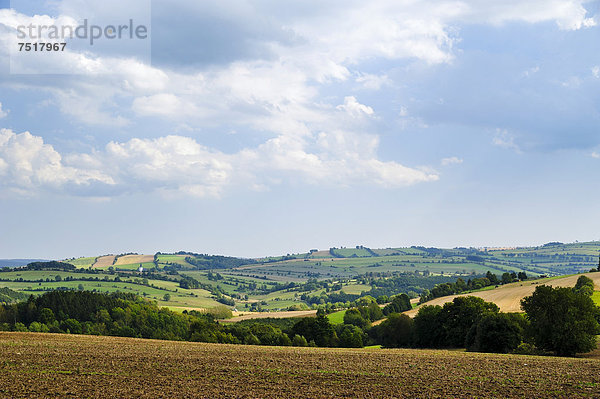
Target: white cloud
x,y
595,155
596,71
178,165
3,113
28,164
451,161
531,71
354,108
505,140
373,82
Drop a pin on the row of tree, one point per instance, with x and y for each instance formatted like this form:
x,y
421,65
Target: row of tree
x,y
460,285
564,321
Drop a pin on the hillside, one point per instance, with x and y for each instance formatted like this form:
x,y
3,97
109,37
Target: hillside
x,y
298,282
17,262
508,297
89,366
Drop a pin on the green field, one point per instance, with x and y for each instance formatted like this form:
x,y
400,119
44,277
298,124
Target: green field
x,y
257,282
596,297
337,317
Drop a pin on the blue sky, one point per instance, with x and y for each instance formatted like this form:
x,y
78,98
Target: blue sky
x,y
255,128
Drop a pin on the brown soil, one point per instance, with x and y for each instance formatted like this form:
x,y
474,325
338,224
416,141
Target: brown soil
x,y
71,366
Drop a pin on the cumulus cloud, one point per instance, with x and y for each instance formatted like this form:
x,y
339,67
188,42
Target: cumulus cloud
x,y
595,155
354,108
28,164
177,164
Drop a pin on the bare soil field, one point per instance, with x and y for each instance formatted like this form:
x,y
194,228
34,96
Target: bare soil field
x,y
52,365
133,259
104,261
508,297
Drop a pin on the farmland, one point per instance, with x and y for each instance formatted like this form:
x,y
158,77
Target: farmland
x,y
508,297
52,365
263,284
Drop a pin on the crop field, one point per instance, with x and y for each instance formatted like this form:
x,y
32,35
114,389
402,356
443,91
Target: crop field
x,y
508,297
52,365
82,262
133,259
104,261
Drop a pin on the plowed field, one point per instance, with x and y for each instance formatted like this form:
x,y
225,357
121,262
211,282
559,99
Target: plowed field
x,y
46,365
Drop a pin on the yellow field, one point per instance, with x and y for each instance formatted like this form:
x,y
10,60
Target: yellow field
x,y
239,316
508,297
133,259
104,261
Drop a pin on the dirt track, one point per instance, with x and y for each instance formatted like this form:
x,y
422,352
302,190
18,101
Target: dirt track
x,y
508,297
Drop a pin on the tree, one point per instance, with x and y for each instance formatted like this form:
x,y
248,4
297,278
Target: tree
x,y
584,285
167,297
561,320
354,317
80,287
458,316
492,277
399,304
350,336
522,276
428,327
496,332
397,331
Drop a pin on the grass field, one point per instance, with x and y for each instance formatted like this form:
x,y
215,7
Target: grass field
x,y
82,262
337,317
52,365
596,297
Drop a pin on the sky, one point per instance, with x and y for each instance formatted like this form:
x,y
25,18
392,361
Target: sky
x,y
255,128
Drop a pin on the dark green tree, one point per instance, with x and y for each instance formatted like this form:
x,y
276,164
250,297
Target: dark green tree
x,y
400,303
458,316
584,285
429,332
561,320
496,332
350,336
397,331
354,317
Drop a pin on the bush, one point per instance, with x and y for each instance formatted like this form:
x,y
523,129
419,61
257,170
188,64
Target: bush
x,y
526,349
299,340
